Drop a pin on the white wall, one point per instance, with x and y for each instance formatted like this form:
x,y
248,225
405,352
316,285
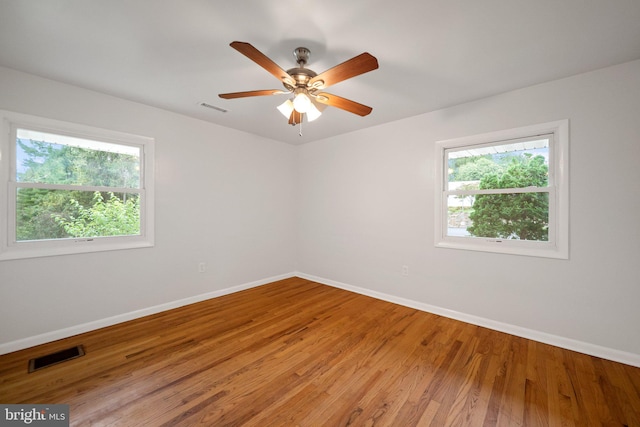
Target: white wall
x,y
350,210
222,197
366,209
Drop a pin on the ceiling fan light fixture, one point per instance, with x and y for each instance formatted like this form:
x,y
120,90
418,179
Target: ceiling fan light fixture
x,y
313,112
301,102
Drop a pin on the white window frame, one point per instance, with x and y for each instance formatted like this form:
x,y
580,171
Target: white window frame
x,y
558,244
10,248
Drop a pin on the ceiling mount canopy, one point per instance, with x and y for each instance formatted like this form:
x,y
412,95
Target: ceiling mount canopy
x,y
302,55
305,84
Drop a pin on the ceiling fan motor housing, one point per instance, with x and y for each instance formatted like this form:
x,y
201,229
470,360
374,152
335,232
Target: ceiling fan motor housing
x,y
301,76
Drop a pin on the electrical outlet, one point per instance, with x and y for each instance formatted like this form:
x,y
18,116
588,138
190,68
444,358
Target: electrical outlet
x,y
405,270
202,267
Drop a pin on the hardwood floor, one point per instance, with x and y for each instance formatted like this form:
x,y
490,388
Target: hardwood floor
x,y
295,352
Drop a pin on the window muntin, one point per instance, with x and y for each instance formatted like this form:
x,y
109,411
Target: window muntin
x,y
71,188
505,191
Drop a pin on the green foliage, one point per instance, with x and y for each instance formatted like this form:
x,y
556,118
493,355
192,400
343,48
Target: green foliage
x,y
516,216
62,164
474,171
52,213
36,209
113,217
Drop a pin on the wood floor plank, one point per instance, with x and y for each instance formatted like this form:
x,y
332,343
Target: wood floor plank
x,y
295,352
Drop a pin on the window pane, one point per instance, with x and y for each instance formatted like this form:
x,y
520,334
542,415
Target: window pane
x,y
55,159
514,165
519,216
53,214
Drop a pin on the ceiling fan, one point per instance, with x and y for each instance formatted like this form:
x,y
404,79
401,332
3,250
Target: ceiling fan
x,y
305,85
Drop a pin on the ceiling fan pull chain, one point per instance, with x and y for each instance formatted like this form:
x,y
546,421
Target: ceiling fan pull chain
x,y
300,126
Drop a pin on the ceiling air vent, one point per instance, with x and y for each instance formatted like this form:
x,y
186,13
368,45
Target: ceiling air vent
x,y
213,107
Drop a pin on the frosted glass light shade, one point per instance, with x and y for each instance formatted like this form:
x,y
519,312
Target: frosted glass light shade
x,y
313,112
301,102
286,108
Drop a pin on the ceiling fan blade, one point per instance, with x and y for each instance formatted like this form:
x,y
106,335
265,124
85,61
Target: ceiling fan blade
x,y
343,103
355,66
262,60
295,118
246,94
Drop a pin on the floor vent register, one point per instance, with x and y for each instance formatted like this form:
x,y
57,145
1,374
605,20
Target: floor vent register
x,y
55,358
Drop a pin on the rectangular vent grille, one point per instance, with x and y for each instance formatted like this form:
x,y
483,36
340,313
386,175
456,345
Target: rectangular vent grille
x,y
213,107
55,358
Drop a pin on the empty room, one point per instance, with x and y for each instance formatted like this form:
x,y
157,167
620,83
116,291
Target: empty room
x,y
320,213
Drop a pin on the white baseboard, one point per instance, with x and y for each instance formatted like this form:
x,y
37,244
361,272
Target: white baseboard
x,y
563,342
109,321
543,337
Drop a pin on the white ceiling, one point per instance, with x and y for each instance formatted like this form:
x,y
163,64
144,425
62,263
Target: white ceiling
x,y
432,53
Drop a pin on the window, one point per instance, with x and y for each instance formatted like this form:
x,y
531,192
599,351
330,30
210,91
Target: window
x,y
69,188
505,191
